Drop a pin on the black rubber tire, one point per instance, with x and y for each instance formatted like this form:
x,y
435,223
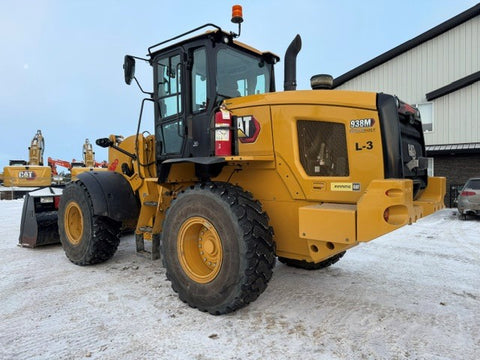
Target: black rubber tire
x,y
307,265
99,237
246,241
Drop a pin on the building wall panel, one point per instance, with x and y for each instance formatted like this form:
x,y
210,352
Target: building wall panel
x,y
427,67
457,117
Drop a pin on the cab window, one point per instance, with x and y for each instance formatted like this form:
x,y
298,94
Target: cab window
x,y
199,80
169,86
239,74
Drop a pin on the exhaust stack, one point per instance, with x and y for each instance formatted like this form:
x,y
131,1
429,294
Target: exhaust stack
x,y
290,77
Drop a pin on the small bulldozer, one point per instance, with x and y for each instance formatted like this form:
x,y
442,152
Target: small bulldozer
x,y
237,174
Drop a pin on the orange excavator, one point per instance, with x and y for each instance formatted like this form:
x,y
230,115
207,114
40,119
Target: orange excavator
x,y
75,166
57,178
53,163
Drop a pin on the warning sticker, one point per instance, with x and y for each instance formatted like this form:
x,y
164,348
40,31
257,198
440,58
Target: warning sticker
x,y
222,134
337,186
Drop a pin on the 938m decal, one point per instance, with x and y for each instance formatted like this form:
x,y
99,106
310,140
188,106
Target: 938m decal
x,y
362,125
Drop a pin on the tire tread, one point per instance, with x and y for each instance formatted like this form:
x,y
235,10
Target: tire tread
x,y
258,238
105,232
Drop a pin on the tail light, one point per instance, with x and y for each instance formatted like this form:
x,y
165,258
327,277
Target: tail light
x,y
468,193
56,200
386,215
396,215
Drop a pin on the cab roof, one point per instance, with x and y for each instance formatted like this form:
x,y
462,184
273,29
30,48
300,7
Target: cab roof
x,y
218,36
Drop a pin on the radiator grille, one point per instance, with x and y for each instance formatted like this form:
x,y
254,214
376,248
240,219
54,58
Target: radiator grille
x,y
322,148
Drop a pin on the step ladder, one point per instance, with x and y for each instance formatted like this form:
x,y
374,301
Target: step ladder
x,y
146,236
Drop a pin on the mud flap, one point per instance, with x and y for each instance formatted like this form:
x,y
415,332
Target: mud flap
x,y
38,225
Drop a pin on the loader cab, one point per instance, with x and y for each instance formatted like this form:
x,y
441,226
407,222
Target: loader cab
x,y
191,79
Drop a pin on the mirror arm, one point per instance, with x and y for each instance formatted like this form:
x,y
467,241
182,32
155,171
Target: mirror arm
x,y
141,89
106,142
140,58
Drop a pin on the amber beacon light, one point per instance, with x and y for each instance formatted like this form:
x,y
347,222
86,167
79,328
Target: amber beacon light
x,y
237,16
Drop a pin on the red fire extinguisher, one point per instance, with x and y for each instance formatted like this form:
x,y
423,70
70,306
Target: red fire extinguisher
x,y
223,133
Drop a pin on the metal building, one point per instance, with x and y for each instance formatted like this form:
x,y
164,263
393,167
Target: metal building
x,y
439,71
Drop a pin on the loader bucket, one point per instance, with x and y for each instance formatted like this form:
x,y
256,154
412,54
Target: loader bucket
x,y
39,218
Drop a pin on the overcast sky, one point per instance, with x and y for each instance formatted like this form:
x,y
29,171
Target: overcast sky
x,y
61,60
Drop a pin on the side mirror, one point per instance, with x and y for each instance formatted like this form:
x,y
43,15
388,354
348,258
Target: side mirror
x,y
129,68
104,142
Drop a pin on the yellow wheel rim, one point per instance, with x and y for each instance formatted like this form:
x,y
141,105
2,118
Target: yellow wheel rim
x,y
73,223
199,249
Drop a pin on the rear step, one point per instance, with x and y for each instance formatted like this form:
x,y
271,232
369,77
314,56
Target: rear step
x,y
147,237
39,218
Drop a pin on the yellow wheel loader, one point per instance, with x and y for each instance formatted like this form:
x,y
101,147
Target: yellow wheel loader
x,y
237,174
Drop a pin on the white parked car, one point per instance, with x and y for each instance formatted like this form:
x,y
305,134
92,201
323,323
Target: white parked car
x,y
469,198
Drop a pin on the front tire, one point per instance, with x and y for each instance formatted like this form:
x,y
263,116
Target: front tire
x,y
217,247
86,238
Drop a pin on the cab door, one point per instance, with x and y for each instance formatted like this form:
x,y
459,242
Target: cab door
x,y
200,104
169,105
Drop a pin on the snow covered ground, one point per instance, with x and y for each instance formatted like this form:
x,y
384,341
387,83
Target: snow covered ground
x,y
413,294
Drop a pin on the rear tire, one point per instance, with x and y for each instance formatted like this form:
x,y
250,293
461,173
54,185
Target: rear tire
x,y
217,247
307,265
86,238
